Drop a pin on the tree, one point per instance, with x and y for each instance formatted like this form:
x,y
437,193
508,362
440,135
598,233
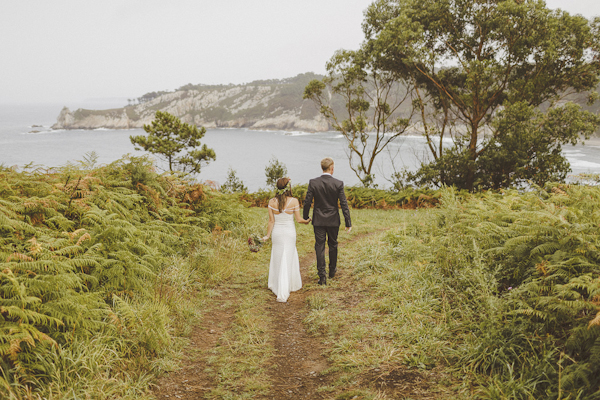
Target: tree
x,y
274,171
476,64
169,138
233,184
372,115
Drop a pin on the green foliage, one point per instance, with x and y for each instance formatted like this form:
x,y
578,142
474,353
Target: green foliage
x,y
478,71
233,184
150,96
169,137
374,112
261,197
83,253
274,171
527,147
520,280
360,197
502,288
90,160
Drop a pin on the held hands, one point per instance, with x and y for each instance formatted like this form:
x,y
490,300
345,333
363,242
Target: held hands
x,y
265,238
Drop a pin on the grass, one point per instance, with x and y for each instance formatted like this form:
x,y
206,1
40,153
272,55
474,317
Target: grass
x,y
360,339
426,304
239,362
386,311
486,297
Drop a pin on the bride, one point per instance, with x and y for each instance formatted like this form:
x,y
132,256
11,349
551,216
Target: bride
x,y
284,270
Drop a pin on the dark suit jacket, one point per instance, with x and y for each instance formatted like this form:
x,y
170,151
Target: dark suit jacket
x,y
326,191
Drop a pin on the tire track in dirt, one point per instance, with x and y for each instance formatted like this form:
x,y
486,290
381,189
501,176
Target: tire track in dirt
x,y
192,381
299,356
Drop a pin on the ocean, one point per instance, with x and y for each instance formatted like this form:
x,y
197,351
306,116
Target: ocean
x,y
26,138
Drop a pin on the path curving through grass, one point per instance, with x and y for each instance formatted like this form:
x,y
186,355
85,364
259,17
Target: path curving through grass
x,y
324,343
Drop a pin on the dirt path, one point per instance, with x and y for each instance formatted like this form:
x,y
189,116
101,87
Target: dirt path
x,y
298,368
302,367
301,363
191,382
299,359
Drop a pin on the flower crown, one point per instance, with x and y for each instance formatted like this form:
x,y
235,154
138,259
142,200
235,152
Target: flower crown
x,y
287,187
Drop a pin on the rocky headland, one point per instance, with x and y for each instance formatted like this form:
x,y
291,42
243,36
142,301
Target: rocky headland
x,y
275,104
268,105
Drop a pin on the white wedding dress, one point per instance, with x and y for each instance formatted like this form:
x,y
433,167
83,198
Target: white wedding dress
x,y
284,270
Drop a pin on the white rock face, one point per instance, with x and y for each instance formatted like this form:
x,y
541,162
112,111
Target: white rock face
x,y
65,119
253,106
293,123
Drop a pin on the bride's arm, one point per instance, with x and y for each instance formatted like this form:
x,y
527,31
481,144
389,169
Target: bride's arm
x,y
299,219
270,225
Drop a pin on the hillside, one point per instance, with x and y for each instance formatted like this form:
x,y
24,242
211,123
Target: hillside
x,y
120,283
275,104
266,104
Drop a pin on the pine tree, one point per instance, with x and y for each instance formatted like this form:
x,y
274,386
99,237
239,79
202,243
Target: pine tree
x,y
169,138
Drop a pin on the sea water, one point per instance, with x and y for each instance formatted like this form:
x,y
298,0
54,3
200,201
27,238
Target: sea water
x,y
247,152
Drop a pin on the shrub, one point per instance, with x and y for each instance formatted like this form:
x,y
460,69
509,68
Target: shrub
x,y
274,171
520,271
81,252
233,184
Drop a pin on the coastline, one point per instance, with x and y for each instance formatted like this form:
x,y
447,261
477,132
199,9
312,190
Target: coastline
x,y
592,141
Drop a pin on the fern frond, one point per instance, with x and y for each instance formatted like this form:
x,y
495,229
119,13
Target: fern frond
x,y
19,256
532,313
83,238
69,251
545,248
595,321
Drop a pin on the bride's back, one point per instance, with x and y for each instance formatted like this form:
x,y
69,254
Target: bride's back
x,y
291,206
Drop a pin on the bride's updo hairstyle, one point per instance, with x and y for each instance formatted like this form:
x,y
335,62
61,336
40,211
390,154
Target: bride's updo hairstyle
x,y
284,189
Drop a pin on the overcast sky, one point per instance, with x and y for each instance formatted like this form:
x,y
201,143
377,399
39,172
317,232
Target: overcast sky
x,y
72,50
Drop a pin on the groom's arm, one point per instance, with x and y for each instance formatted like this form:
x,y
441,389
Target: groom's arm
x,y
308,201
344,206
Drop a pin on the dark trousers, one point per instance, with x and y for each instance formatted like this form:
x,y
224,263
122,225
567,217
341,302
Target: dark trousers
x,y
329,233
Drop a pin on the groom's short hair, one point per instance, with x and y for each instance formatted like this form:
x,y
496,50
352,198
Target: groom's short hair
x,y
326,163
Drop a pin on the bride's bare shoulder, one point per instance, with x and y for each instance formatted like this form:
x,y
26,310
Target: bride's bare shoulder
x,y
292,204
273,203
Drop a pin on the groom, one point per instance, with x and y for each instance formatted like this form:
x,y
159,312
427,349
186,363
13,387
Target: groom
x,y
326,191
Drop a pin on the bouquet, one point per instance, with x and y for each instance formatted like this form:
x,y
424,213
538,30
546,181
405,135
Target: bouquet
x,y
255,242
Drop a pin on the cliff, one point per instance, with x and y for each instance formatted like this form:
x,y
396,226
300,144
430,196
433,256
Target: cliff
x,y
274,104
260,105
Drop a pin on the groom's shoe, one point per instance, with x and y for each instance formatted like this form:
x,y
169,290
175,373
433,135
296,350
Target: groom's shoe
x,y
322,281
332,272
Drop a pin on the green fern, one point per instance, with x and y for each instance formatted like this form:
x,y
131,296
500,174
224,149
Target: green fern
x,y
543,251
72,241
